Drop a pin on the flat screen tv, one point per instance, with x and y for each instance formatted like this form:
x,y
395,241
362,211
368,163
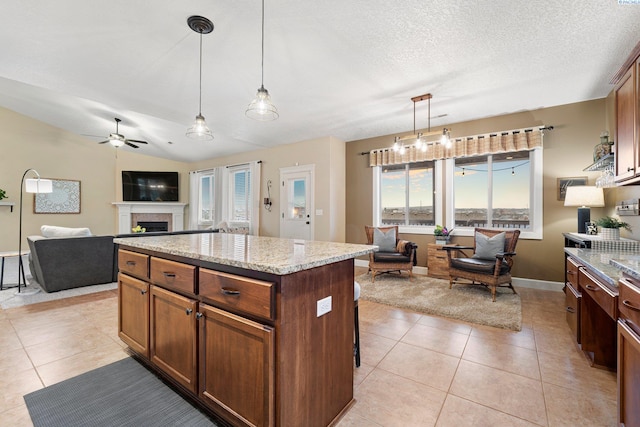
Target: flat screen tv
x,y
146,186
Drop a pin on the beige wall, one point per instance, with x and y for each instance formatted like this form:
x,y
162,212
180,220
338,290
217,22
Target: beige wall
x,y
54,153
327,154
567,151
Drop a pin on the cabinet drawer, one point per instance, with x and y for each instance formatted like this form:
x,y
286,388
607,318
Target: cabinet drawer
x,y
572,272
133,263
173,275
600,293
238,293
572,307
629,301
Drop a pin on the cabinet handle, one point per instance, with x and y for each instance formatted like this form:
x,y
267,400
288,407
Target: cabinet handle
x,y
592,288
189,311
571,309
230,291
131,263
143,291
629,305
169,274
199,315
630,169
571,272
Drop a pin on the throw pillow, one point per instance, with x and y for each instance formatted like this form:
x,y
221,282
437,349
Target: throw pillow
x,y
487,247
386,242
55,231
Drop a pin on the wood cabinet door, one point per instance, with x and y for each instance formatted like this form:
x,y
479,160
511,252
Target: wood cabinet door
x,y
133,313
628,375
237,367
173,336
626,116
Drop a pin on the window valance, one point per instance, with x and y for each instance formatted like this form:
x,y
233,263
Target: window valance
x,y
468,146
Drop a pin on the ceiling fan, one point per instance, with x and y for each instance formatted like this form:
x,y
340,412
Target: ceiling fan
x,y
118,140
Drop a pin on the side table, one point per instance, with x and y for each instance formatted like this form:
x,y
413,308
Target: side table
x,y
9,254
437,262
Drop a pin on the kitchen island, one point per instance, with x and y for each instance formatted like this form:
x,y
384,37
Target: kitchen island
x,y
258,330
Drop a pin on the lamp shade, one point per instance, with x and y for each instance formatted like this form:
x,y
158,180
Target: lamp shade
x,y
37,185
584,195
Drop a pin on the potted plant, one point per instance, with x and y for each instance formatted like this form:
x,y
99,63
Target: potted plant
x,y
610,227
442,234
3,194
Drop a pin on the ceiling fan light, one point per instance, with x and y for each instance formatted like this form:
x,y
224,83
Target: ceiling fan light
x,y
261,108
200,131
116,140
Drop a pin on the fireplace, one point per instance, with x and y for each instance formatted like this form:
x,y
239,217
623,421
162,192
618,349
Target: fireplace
x,y
131,214
151,226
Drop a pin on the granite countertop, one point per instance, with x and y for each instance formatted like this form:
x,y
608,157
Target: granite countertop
x,y
608,265
266,254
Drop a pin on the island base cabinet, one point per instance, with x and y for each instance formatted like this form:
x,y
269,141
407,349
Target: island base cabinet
x,y
133,313
237,367
173,336
628,375
572,308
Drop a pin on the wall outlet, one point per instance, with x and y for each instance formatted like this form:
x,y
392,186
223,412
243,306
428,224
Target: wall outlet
x,y
323,306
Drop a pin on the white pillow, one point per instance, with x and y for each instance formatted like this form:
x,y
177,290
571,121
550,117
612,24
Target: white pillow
x,y
55,231
386,242
488,247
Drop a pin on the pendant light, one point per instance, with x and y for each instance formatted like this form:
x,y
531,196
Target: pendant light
x,y
420,140
261,107
200,130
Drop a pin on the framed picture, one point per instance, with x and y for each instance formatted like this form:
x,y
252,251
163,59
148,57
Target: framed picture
x,y
563,183
64,199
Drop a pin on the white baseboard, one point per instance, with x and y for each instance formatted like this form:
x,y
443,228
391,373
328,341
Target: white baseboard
x,y
543,285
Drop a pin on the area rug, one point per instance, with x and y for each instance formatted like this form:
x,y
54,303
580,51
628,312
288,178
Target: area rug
x,y
432,296
124,393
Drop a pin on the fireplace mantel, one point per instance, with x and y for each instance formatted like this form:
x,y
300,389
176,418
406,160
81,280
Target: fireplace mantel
x,y
125,209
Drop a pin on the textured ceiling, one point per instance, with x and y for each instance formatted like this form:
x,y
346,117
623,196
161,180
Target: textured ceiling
x,y
342,68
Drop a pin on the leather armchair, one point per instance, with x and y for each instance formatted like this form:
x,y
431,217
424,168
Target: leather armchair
x,y
402,258
491,271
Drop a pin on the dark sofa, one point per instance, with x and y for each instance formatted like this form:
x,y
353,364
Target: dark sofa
x,y
59,263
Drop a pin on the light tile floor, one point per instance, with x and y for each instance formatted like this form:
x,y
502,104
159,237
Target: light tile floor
x,y
417,370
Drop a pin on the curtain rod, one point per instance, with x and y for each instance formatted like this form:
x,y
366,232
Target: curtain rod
x,y
242,164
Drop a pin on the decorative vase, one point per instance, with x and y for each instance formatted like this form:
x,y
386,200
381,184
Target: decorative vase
x,y
442,240
610,233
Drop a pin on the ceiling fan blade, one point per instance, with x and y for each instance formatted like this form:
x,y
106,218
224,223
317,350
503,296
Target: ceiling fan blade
x,y
137,141
130,144
103,142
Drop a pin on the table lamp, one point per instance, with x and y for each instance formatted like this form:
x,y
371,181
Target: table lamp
x,y
585,197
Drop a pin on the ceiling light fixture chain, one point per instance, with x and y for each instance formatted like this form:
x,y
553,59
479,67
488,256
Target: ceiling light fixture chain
x,y
420,144
261,108
200,130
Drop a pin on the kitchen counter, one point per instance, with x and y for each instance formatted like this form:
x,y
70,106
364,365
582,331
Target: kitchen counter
x,y
607,264
265,254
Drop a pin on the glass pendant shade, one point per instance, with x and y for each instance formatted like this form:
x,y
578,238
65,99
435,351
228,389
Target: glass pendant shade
x,y
261,107
200,130
37,185
116,140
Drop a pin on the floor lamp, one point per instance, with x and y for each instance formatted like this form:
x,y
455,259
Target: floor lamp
x,y
585,197
29,185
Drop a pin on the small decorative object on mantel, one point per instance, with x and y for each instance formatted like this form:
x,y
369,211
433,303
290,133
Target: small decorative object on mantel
x,y
592,228
610,228
3,194
442,234
604,148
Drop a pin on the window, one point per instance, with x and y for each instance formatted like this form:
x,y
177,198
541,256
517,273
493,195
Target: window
x,y
240,186
497,191
206,199
406,195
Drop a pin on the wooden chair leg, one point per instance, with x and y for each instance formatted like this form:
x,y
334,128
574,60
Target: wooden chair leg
x,y
450,282
493,293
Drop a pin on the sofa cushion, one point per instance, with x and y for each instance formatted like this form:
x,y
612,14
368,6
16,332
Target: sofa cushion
x,y
55,231
395,257
478,265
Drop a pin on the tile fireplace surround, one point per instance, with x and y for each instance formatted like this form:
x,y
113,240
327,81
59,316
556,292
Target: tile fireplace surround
x,y
131,212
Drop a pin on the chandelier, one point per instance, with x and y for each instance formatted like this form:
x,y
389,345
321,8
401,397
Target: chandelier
x,y
422,140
